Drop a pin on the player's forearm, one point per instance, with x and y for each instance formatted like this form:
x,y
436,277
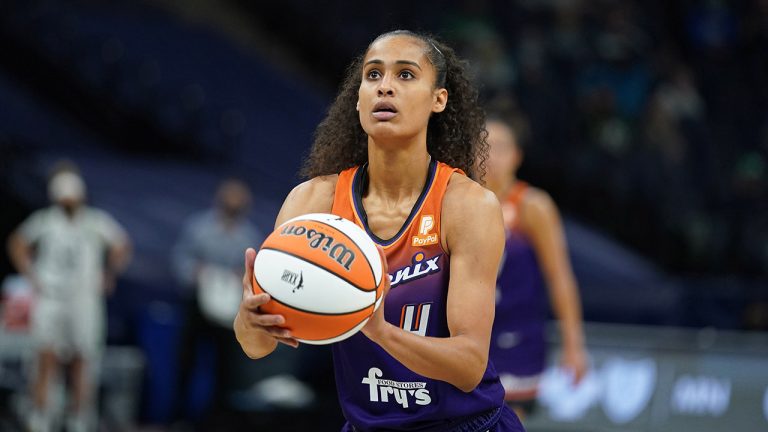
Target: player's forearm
x,y
457,360
571,333
256,344
567,309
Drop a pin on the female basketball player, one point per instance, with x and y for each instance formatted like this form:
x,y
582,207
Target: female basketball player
x,y
534,244
383,158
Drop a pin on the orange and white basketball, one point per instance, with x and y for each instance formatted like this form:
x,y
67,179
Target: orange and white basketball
x,y
324,274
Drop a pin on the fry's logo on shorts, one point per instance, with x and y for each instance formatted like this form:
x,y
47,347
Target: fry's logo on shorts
x,y
403,392
425,238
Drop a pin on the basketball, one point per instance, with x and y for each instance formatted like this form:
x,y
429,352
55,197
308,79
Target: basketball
x,y
324,274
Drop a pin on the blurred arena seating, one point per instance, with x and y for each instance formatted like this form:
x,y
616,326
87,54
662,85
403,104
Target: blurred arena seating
x,y
666,228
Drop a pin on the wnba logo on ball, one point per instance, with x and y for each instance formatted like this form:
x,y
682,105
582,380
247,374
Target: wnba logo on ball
x,y
317,240
295,279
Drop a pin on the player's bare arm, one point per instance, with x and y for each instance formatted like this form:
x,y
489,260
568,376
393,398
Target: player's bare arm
x,y
541,220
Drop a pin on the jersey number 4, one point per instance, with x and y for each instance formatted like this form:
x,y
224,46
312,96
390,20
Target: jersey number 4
x,y
414,318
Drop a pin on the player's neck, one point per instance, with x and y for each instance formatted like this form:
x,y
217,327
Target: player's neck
x,y
397,173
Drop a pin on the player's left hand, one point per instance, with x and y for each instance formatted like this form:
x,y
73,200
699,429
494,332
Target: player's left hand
x,y
574,359
377,324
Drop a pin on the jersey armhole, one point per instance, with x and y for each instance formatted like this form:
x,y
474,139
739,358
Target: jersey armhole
x,y
444,243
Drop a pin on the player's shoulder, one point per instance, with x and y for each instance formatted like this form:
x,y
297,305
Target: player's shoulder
x,y
470,214
312,196
537,202
319,187
466,198
464,192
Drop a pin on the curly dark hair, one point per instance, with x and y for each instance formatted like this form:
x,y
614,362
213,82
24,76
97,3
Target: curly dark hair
x,y
456,136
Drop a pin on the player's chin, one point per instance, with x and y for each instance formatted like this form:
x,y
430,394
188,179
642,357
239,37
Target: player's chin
x,y
388,130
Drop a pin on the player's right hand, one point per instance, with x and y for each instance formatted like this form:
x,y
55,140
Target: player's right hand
x,y
377,323
252,320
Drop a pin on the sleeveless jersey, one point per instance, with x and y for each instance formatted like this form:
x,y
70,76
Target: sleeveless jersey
x,y
518,348
376,392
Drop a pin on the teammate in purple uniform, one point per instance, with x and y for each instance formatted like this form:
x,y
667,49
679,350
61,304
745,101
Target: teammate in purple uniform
x,y
534,245
391,156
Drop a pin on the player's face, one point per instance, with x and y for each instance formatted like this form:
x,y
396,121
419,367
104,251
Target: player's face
x,y
397,93
504,156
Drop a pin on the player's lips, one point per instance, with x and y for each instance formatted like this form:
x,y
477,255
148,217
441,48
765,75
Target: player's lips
x,y
384,111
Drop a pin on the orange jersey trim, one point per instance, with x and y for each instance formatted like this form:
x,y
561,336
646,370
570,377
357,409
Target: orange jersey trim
x,y
421,228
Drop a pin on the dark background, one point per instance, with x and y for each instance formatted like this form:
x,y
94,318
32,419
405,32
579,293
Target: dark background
x,y
647,121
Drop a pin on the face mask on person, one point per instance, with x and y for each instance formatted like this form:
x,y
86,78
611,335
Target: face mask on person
x,y
67,189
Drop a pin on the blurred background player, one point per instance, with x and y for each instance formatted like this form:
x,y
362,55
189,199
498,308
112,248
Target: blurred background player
x,y
71,254
535,246
206,262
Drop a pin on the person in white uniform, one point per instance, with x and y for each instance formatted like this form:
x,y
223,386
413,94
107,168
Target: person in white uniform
x,y
71,254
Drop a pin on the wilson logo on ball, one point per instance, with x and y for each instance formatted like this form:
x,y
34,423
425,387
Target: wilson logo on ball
x,y
324,275
317,240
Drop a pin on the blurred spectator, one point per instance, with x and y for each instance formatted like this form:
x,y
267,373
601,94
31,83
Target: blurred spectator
x,y
207,262
71,254
711,25
486,53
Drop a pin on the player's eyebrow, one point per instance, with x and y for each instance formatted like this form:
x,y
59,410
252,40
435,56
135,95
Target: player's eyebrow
x,y
408,62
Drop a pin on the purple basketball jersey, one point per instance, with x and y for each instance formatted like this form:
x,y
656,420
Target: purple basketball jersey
x,y
376,391
518,347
